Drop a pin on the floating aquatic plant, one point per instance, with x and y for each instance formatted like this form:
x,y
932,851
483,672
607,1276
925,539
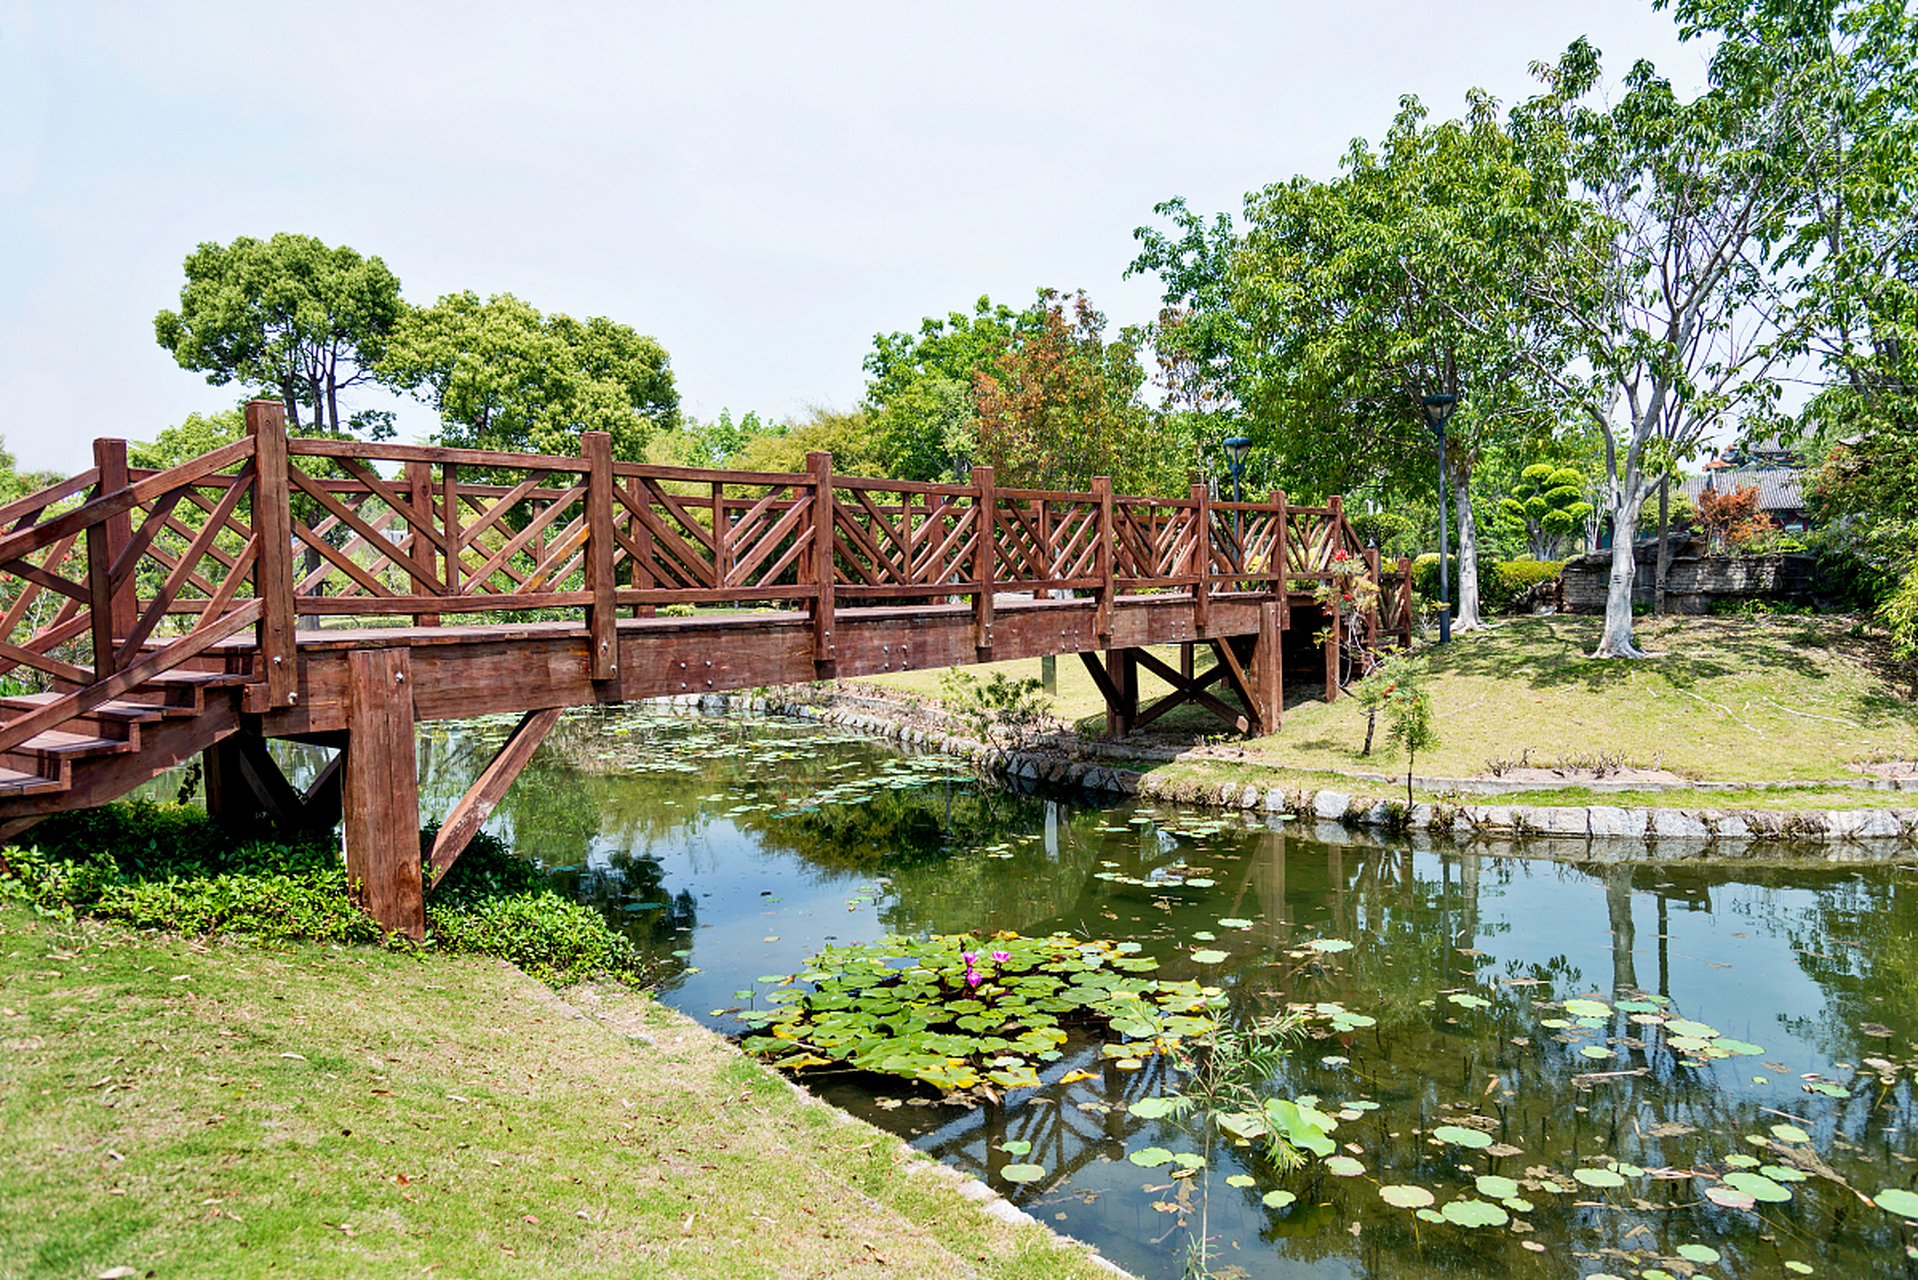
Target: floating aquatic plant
x,y
961,1014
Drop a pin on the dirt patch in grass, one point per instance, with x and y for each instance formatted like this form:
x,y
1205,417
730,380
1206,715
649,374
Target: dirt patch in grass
x,y
193,1110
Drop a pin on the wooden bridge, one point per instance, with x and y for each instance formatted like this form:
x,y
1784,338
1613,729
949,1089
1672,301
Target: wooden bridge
x,y
337,592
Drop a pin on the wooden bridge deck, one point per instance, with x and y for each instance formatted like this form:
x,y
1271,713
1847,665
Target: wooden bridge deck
x,y
288,588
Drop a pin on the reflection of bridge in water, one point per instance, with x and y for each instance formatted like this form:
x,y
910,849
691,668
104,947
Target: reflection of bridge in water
x,y
289,588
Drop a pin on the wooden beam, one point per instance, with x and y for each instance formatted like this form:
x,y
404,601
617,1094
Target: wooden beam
x,y
825,516
1102,490
273,571
1268,670
470,814
381,791
985,554
1202,558
602,615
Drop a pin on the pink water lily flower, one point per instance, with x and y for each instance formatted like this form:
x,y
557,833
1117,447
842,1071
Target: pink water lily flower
x,y
1000,957
970,957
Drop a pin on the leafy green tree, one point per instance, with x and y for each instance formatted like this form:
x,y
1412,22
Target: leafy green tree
x,y
920,389
503,376
286,316
1400,279
1061,405
1660,271
848,437
200,433
1549,501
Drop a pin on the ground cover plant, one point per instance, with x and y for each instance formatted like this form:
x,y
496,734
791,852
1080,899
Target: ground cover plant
x,y
965,1014
177,1107
171,867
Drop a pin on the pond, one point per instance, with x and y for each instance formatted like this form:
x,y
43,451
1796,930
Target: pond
x,y
1525,1068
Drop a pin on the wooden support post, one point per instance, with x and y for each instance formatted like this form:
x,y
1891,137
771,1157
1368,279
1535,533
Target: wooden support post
x,y
470,814
113,610
1118,680
247,794
1268,670
419,492
1202,556
825,655
273,570
602,619
1280,554
1102,615
1372,610
985,554
450,521
381,791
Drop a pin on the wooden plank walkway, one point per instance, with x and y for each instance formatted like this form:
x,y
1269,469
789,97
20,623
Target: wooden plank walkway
x,y
340,591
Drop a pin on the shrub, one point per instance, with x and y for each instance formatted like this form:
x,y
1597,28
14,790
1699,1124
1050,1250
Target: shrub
x,y
171,867
1016,710
1511,579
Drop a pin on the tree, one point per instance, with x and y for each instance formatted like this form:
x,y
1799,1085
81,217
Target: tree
x,y
1060,404
286,316
1402,278
848,437
1732,518
503,376
200,433
919,393
1658,273
1550,503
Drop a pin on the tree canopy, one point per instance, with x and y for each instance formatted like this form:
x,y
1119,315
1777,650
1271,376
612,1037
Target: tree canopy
x,y
503,376
287,316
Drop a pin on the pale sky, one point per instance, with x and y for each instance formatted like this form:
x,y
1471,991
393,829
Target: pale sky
x,y
762,187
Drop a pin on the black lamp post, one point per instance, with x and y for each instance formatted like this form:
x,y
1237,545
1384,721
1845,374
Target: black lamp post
x,y
1438,411
1236,447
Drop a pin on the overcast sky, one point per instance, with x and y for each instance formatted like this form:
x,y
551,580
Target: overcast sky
x,y
762,187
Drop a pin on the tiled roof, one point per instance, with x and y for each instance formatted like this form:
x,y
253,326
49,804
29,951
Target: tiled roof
x,y
1778,489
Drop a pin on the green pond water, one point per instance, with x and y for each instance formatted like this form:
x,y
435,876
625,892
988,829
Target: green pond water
x,y
1576,1067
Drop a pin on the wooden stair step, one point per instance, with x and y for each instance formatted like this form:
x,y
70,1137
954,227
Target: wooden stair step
x,y
58,742
126,712
15,783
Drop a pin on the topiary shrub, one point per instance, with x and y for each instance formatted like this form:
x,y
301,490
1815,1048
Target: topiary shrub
x,y
1511,579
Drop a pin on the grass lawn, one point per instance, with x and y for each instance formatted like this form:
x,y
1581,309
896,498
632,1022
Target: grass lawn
x,y
1729,700
1773,699
188,1110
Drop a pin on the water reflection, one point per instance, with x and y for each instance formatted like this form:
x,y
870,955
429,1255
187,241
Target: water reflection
x,y
736,849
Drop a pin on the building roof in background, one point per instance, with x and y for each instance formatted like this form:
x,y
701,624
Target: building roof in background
x,y
1778,489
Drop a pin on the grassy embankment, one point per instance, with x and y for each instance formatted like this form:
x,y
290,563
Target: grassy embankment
x,y
1779,699
174,1108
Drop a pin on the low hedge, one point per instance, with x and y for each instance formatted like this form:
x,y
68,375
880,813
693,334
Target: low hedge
x,y
172,868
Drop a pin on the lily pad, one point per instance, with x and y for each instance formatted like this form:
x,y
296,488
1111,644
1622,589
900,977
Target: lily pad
x,y
1491,1184
1789,1133
1462,1137
1208,956
1405,1197
1240,1180
1703,1254
1475,1213
1022,1172
1729,1197
1587,1009
1757,1186
1899,1201
1150,1157
1277,1199
1329,944
1601,1178
1344,1167
1153,1108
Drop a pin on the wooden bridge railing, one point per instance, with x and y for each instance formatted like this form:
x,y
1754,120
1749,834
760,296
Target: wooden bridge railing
x,y
120,574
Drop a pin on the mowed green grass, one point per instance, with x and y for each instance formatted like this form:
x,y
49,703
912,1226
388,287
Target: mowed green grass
x,y
1771,699
189,1110
1725,700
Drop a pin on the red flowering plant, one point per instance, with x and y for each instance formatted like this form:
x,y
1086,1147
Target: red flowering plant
x,y
1356,590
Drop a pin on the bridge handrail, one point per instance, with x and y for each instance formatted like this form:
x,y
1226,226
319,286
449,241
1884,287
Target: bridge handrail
x,y
254,528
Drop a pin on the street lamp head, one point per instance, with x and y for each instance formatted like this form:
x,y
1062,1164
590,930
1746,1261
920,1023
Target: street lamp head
x,y
1438,411
1236,447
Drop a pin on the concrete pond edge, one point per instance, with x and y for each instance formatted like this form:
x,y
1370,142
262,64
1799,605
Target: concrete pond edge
x,y
1606,832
